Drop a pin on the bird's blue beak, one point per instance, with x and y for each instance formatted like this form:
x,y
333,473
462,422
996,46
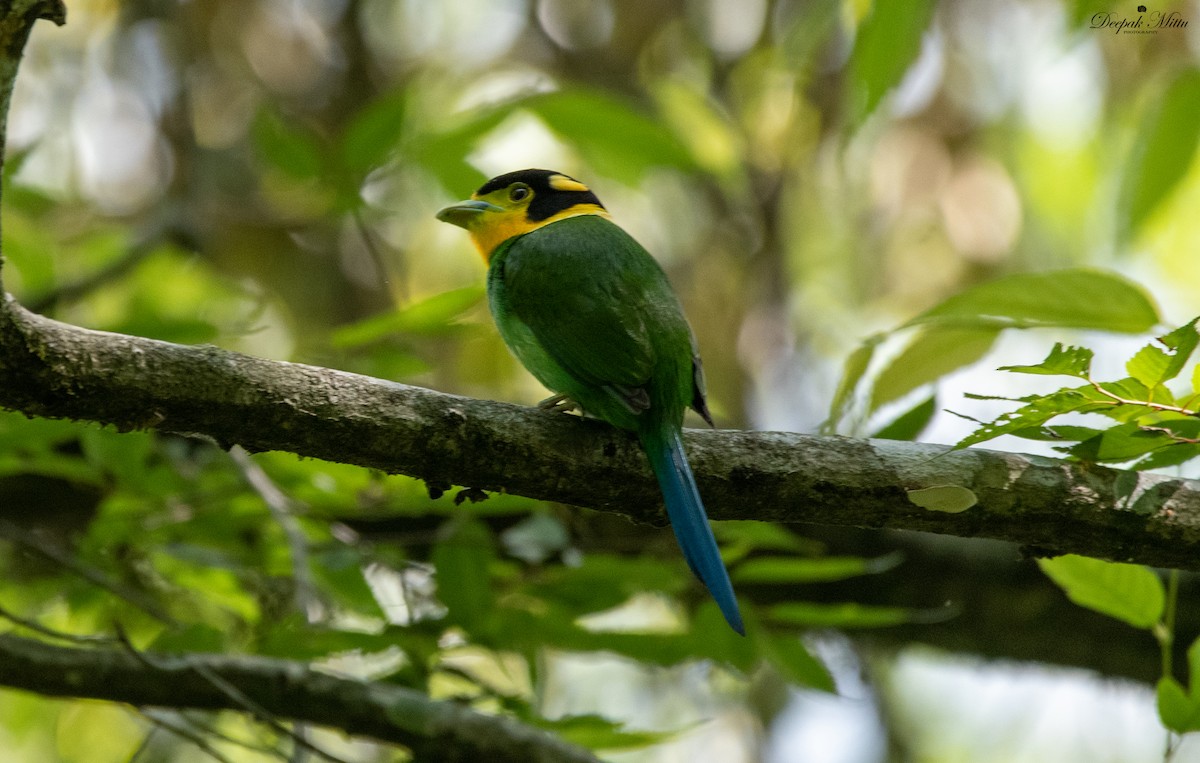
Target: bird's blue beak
x,y
464,213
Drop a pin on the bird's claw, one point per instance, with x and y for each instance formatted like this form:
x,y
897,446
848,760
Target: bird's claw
x,y
559,404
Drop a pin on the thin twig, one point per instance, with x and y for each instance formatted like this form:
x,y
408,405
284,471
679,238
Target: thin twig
x,y
75,289
184,733
37,627
306,598
234,694
32,542
203,728
1118,400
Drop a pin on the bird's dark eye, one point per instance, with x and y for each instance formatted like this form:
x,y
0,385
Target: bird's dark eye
x,y
519,193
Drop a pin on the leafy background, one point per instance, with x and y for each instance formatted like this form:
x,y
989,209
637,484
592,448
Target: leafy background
x,y
866,208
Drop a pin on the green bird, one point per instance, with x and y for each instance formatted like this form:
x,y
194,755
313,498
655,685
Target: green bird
x,y
590,313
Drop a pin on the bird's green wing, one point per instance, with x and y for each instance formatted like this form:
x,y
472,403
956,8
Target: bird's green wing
x,y
596,302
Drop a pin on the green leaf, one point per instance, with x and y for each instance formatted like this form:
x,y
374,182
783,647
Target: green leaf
x,y
888,42
1081,11
910,424
1038,409
373,133
1075,298
1178,711
433,316
598,733
850,615
776,570
192,638
856,366
1059,433
1129,592
1178,708
1124,442
286,147
1135,399
796,663
295,639
124,455
933,353
603,581
749,535
614,138
462,558
443,153
1179,453
1062,361
948,499
1152,365
339,570
1162,153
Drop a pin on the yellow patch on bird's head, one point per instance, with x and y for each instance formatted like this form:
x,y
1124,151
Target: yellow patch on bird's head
x,y
520,202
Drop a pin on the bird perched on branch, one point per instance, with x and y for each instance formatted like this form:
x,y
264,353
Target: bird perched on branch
x,y
590,313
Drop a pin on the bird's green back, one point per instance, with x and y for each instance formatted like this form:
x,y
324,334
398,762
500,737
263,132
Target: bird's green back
x,y
590,313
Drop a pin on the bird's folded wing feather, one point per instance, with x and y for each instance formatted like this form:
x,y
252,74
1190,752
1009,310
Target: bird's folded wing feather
x,y
585,299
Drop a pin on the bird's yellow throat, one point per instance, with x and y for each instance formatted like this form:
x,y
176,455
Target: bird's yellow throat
x,y
491,229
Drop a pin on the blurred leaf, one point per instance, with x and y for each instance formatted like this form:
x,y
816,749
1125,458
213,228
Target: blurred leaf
x,y
29,268
552,628
339,571
287,147
444,153
1082,11
1062,361
857,363
616,139
739,538
463,559
933,353
292,638
789,655
1179,709
597,733
432,316
910,424
1079,298
195,637
373,133
778,570
808,615
693,116
887,43
124,455
603,581
1128,592
96,731
1162,152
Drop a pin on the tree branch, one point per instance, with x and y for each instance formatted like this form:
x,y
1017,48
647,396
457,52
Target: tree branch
x,y
48,368
443,731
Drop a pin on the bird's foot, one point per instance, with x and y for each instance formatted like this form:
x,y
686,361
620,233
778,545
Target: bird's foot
x,y
559,404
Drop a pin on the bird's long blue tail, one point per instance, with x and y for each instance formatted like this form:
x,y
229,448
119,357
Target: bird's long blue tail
x,y
686,511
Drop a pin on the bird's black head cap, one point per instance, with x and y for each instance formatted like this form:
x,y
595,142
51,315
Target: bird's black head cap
x,y
553,192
